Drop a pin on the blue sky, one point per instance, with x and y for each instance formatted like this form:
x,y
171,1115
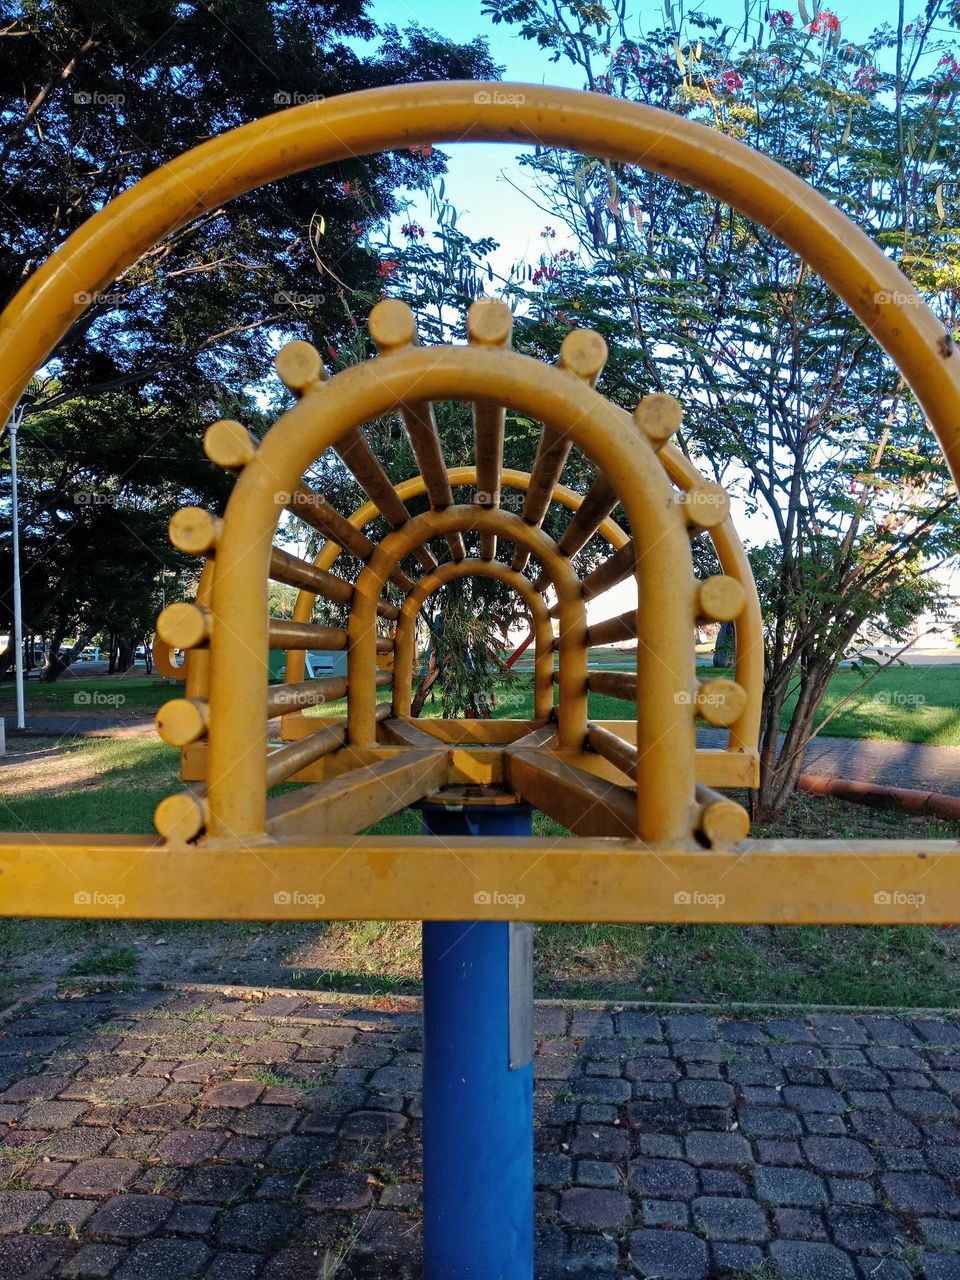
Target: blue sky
x,y
476,185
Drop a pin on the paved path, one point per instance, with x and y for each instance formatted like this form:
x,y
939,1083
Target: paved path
x,y
893,764
82,725
166,1135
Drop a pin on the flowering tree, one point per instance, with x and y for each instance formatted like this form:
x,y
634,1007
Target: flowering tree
x,y
787,400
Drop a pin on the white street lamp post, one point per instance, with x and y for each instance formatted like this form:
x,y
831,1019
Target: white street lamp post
x,y
15,420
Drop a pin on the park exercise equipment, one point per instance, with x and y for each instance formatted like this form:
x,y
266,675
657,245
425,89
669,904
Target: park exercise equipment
x,y
654,836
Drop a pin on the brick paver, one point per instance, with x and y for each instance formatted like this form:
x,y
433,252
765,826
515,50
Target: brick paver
x,y
182,1134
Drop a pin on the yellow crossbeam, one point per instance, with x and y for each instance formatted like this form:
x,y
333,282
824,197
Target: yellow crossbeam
x,y
772,882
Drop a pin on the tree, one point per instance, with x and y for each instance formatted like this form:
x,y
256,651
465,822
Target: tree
x,y
465,629
94,96
787,400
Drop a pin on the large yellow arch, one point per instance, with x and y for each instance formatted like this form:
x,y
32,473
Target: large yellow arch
x,y
380,119
665,660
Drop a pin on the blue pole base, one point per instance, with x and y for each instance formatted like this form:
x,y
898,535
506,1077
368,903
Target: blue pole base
x,y
477,1108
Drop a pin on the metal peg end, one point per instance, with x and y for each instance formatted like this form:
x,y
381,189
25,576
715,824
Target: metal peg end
x,y
720,702
583,353
392,325
180,817
720,598
183,626
300,367
489,323
181,721
658,416
724,822
705,505
229,444
194,531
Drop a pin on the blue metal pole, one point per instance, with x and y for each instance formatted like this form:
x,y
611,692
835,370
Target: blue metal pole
x,y
477,1079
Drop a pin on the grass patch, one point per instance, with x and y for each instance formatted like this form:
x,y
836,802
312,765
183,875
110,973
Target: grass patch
x,y
99,784
901,704
92,695
106,962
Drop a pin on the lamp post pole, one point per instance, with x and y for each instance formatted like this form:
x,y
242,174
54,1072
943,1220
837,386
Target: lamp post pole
x,y
15,420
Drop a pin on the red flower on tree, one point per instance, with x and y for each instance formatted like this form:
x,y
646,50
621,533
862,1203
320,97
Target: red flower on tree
x,y
388,267
825,24
865,79
782,18
732,81
412,230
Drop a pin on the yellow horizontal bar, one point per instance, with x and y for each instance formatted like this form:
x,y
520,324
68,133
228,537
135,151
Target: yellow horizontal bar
x,y
483,731
763,882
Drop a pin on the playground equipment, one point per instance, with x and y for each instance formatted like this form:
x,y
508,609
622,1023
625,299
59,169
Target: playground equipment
x,y
655,838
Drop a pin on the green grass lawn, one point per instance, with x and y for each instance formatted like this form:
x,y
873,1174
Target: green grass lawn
x,y
901,704
112,785
109,785
93,695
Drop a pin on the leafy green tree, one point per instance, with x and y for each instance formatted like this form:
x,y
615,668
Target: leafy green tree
x,y
94,94
787,400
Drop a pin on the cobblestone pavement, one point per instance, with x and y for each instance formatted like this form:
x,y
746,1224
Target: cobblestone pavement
x,y
166,1135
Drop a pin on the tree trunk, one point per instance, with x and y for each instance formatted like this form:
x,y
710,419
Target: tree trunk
x,y
125,647
55,664
430,677
725,649
780,769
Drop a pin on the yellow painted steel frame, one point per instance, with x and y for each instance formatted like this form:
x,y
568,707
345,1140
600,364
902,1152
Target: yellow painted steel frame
x,y
662,876
665,657
404,647
748,625
572,711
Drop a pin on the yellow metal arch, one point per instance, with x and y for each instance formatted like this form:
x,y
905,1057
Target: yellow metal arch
x,y
404,651
361,697
382,119
665,657
413,488
587,879
744,732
